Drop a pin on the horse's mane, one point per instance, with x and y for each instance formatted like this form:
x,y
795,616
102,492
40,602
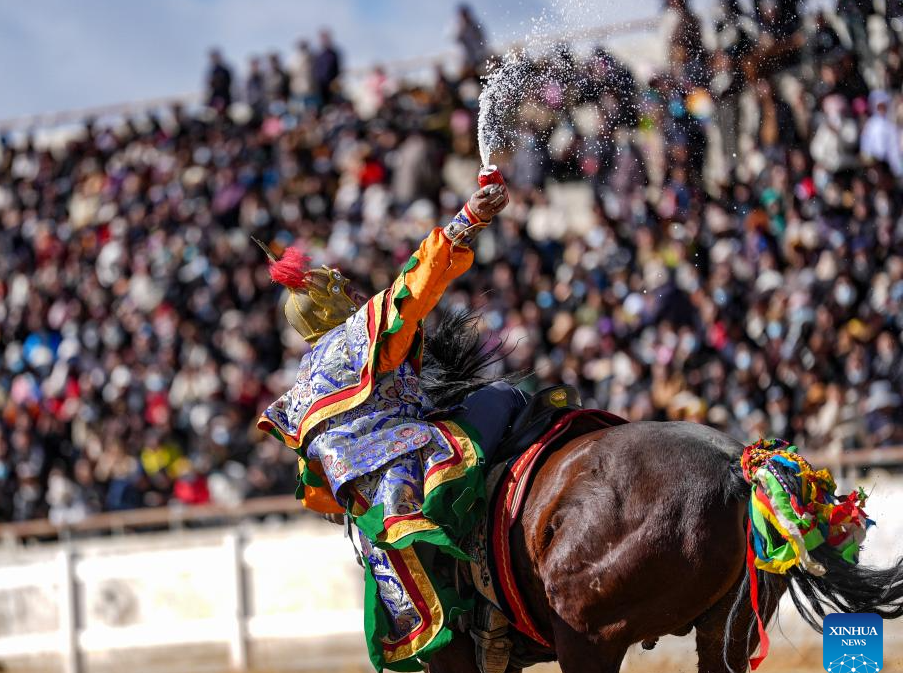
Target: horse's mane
x,y
456,361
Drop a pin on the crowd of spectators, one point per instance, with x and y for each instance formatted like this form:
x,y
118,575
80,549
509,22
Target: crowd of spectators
x,y
720,242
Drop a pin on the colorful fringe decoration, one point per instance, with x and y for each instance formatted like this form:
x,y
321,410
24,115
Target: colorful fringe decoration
x,y
798,503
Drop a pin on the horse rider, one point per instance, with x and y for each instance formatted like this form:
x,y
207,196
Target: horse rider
x,y
357,417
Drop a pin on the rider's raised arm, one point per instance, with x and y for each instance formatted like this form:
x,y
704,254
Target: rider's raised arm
x,y
443,255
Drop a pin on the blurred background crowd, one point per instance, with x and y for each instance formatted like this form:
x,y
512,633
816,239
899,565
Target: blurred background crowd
x,y
719,240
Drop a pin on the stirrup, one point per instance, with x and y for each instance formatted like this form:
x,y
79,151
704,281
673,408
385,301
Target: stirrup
x,y
489,630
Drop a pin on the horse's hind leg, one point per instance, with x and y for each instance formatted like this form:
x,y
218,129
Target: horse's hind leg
x,y
578,654
712,630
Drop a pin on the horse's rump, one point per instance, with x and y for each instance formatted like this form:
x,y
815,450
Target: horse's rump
x,y
620,530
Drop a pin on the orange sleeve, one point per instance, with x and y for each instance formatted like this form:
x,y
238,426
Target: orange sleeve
x,y
435,264
319,498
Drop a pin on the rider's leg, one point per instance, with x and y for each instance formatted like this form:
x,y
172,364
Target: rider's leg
x,y
490,411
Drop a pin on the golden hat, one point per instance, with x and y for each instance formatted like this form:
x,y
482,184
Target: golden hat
x,y
318,299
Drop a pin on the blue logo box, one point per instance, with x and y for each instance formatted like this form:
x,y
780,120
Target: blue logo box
x,y
853,643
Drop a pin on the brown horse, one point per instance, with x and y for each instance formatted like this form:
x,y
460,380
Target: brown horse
x,y
638,531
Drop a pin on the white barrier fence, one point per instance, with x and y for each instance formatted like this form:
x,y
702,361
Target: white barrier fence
x,y
81,606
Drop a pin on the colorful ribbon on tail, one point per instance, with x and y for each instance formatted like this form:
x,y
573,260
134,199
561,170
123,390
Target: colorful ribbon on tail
x,y
793,509
764,641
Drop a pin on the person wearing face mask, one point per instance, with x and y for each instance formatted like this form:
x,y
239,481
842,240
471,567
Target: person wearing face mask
x,y
368,443
844,293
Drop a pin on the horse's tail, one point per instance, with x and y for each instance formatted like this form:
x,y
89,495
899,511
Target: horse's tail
x,y
737,487
846,587
801,535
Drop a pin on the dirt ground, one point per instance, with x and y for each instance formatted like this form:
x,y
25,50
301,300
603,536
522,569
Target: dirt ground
x,y
346,655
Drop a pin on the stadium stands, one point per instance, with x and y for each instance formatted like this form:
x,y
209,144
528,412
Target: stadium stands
x,y
720,242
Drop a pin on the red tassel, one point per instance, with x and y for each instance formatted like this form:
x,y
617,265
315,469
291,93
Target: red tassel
x,y
754,599
291,269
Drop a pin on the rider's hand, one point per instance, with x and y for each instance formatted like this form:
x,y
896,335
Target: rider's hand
x,y
488,201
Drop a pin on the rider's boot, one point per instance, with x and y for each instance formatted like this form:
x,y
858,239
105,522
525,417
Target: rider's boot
x,y
489,630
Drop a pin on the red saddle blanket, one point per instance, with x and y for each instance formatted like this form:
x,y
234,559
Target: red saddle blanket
x,y
492,571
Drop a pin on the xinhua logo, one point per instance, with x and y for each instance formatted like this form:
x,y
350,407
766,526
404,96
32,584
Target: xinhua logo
x,y
853,643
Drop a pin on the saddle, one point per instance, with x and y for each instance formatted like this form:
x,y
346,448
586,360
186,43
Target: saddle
x,y
551,419
541,412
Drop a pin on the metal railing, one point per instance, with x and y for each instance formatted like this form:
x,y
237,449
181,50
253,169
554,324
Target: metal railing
x,y
174,517
153,518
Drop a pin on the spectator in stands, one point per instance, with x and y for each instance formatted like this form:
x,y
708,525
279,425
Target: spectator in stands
x,y
469,34
219,82
190,487
301,71
882,415
778,19
880,136
278,81
255,86
834,143
327,68
854,14
780,37
685,48
7,479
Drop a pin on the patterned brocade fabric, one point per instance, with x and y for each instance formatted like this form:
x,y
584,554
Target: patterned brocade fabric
x,y
386,425
463,231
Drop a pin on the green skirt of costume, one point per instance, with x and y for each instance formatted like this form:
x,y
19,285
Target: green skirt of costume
x,y
407,511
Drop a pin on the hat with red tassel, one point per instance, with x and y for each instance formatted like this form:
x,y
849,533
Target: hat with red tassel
x,y
318,300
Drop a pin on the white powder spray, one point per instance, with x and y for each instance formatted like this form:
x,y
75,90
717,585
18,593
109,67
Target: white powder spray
x,y
518,76
503,93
